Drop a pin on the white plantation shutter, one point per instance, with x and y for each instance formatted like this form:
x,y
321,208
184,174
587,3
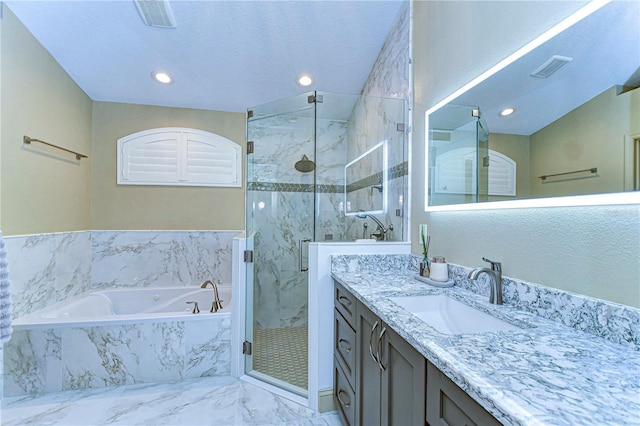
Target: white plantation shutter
x,y
455,173
178,156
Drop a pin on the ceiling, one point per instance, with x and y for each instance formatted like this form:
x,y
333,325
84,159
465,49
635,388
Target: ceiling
x,y
223,55
605,48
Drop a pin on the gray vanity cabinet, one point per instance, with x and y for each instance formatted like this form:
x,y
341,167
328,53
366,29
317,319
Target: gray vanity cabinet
x,y
380,379
388,373
448,405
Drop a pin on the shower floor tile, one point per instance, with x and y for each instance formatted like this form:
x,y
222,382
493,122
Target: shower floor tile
x,y
282,353
202,401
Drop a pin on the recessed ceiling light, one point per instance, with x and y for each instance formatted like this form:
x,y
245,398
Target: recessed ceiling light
x,y
162,77
507,111
304,80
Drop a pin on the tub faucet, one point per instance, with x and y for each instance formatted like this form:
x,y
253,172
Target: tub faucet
x,y
217,303
495,279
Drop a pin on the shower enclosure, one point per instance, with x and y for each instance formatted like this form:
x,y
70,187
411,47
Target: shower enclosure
x,y
298,149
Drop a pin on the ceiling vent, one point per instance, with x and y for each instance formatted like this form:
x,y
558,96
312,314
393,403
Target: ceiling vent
x,y
156,13
551,66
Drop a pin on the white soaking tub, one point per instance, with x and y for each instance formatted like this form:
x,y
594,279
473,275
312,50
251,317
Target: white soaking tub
x,y
120,336
127,305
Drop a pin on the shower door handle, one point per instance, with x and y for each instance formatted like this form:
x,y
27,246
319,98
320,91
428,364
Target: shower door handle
x,y
300,242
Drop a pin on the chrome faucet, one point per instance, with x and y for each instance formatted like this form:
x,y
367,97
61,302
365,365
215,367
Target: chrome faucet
x,y
380,232
495,278
217,303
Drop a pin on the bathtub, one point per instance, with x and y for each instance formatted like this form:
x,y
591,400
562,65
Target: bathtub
x,y
126,306
119,336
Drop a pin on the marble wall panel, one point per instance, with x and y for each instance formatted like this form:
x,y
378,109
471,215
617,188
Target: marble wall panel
x,y
160,258
285,218
122,354
47,268
33,362
207,347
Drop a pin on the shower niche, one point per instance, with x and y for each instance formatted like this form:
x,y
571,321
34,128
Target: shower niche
x,y
315,161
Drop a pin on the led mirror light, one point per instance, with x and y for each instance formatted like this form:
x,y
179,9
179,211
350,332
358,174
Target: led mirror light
x,y
304,80
162,77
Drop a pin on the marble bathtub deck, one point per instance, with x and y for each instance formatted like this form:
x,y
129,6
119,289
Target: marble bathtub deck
x,y
202,401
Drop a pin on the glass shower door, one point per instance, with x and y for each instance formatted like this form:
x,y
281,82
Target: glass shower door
x,y
280,224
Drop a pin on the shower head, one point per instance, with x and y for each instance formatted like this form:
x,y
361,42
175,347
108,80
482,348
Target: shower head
x,y
305,165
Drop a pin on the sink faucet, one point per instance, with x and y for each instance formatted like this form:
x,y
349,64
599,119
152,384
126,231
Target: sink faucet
x,y
495,278
380,232
217,303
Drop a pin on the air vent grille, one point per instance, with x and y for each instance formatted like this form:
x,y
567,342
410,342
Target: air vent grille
x,y
156,13
551,66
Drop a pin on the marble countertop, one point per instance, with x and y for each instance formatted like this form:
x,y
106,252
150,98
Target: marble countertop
x,y
543,374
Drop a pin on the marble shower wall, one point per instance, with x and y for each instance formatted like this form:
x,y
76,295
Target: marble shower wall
x,y
49,268
370,121
281,200
42,360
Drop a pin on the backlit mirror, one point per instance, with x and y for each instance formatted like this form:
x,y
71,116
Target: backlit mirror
x,y
366,182
574,128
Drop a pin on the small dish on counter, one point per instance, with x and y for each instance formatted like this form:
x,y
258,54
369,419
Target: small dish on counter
x,y
441,284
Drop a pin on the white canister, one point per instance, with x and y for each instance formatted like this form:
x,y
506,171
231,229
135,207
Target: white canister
x,y
439,269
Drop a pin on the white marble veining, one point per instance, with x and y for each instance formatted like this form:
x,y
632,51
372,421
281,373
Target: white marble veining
x,y
45,360
160,258
203,401
545,373
47,268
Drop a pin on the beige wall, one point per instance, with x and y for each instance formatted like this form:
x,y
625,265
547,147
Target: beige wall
x,y
592,135
588,250
160,207
515,147
42,189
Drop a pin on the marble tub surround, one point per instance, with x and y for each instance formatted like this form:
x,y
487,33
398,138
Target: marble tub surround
x,y
545,373
49,268
202,401
160,258
45,360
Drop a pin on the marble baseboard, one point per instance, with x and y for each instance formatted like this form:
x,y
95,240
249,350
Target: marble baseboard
x,y
41,361
611,321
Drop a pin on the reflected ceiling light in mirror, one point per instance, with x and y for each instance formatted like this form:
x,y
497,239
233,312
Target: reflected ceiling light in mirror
x,y
507,112
162,77
599,199
304,80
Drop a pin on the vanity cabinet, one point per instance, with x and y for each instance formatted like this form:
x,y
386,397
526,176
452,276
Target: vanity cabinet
x,y
379,379
448,405
390,375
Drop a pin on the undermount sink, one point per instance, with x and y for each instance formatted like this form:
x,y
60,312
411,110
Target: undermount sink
x,y
450,316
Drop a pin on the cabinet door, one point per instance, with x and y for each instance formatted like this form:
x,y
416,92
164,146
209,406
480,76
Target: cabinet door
x,y
367,368
448,405
403,381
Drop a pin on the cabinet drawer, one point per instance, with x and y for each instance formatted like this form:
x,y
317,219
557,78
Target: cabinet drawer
x,y
344,346
344,395
447,404
346,304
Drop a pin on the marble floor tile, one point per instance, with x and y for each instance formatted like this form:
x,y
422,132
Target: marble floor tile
x,y
201,401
